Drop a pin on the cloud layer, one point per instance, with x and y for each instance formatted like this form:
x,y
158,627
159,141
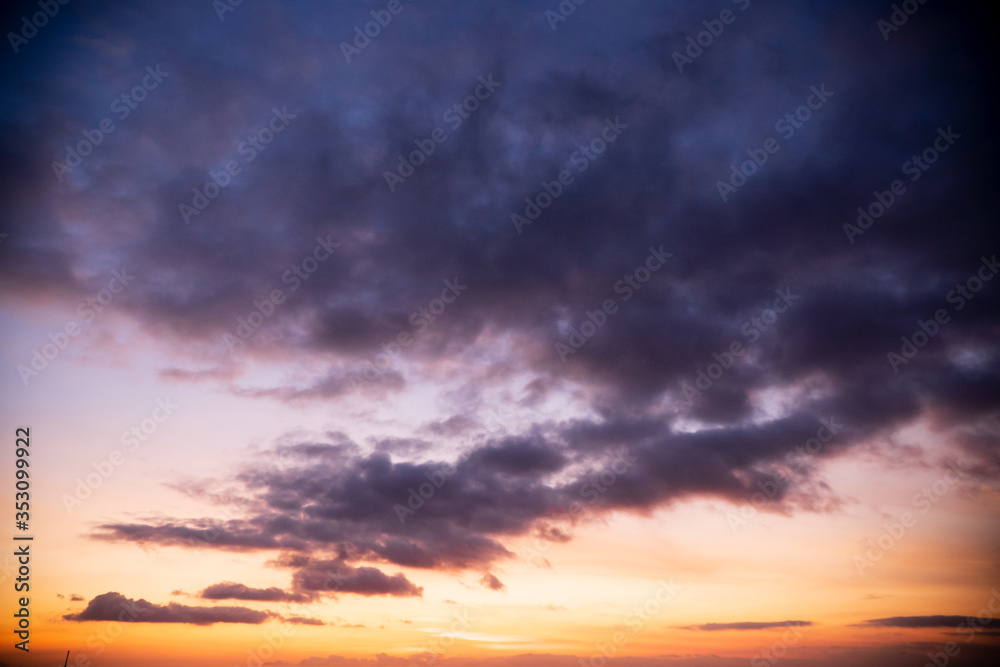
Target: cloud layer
x,y
113,606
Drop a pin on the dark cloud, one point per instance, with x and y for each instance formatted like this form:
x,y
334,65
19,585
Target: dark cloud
x,y
334,576
229,590
920,622
116,607
748,625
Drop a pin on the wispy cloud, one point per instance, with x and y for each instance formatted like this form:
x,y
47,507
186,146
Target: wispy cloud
x,y
747,625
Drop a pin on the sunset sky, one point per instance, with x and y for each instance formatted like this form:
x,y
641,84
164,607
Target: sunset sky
x,y
502,333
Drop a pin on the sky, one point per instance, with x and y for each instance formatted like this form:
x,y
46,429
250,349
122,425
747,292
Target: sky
x,y
533,333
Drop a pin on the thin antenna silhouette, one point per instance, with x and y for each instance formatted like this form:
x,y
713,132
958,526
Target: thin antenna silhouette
x,y
67,659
